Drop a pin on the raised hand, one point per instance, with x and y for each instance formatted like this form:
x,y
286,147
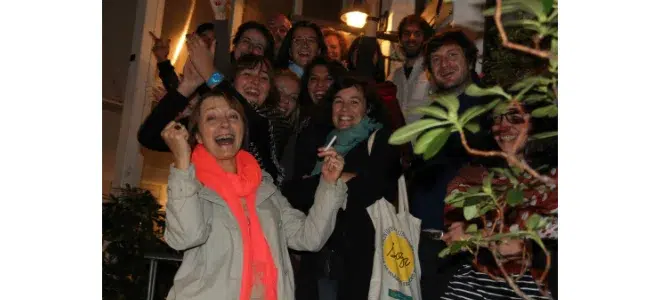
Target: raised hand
x,y
175,136
221,9
190,80
200,56
333,164
161,49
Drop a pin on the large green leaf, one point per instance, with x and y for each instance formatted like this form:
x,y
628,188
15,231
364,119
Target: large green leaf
x,y
472,127
547,6
534,7
470,212
543,135
527,24
531,99
532,222
475,199
476,111
426,138
444,252
409,132
474,189
476,91
546,111
507,173
472,229
514,197
486,208
436,144
487,183
432,111
533,80
455,199
450,102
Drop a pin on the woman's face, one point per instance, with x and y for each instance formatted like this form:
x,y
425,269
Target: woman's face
x,y
304,46
253,84
289,90
319,82
507,127
220,128
334,47
252,41
348,108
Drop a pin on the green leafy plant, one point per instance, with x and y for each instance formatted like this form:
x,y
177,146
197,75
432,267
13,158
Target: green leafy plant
x,y
538,20
133,225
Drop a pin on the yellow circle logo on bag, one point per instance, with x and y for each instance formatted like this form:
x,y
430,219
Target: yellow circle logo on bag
x,y
398,256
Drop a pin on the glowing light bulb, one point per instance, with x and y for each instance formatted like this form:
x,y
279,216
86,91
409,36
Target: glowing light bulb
x,y
355,19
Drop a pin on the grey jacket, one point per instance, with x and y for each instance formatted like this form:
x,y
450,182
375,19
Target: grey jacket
x,y
200,222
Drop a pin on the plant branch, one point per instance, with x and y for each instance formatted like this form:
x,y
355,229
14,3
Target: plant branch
x,y
505,39
510,159
506,275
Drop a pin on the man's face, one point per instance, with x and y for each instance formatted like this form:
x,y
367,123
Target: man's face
x,y
449,66
412,39
279,26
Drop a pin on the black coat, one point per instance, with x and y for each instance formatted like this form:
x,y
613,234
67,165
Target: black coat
x,y
353,237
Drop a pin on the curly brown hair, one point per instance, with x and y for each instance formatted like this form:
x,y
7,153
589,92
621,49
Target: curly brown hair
x,y
343,44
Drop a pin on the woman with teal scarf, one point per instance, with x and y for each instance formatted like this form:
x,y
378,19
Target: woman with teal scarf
x,y
342,269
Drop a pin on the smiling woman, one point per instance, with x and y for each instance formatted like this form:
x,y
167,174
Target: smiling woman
x,y
356,114
302,43
220,205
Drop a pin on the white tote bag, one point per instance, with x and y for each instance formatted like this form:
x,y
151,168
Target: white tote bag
x,y
396,272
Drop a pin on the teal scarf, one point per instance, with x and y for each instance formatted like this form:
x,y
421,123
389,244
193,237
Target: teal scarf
x,y
348,138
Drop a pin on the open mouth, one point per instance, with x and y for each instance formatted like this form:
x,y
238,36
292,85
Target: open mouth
x,y
345,120
225,139
252,92
508,137
447,75
304,54
318,95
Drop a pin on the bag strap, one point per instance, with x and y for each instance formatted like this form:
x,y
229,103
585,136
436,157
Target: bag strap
x,y
370,143
403,195
403,191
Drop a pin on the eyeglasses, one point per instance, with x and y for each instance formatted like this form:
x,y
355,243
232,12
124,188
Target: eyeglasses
x,y
248,43
307,41
512,117
281,30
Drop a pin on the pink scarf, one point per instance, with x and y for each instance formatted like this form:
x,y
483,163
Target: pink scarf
x,y
257,260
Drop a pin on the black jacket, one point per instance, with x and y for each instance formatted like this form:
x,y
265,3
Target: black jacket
x,y
267,132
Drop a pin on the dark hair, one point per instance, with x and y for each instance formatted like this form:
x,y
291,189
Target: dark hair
x,y
204,27
537,152
415,20
452,36
250,61
228,93
365,60
269,52
375,108
283,56
342,40
335,70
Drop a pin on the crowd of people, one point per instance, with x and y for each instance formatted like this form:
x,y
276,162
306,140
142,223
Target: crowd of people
x,y
272,170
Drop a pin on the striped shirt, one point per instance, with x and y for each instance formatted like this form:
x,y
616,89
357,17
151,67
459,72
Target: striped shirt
x,y
468,284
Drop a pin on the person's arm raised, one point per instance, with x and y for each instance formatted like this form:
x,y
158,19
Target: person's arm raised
x,y
222,12
187,225
167,109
